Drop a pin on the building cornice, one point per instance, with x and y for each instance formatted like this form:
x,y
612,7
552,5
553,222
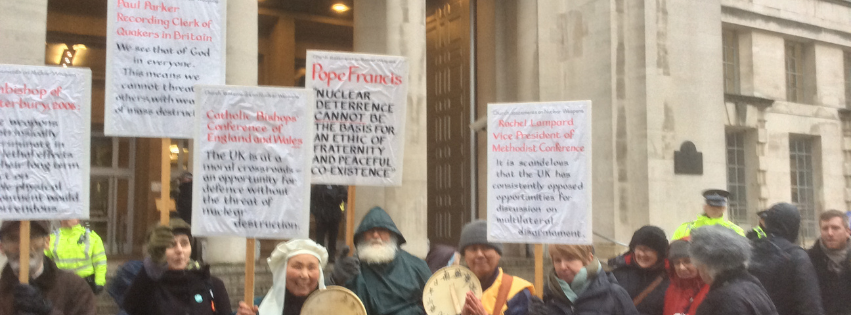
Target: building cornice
x,y
741,16
758,102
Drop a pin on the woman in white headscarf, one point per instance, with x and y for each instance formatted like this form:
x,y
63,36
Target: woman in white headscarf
x,y
296,272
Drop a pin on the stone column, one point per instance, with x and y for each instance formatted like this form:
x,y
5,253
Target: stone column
x,y
241,70
398,28
281,54
23,29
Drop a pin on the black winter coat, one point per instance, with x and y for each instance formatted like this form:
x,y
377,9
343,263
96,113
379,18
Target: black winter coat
x,y
635,279
786,273
603,296
783,268
835,287
736,292
177,292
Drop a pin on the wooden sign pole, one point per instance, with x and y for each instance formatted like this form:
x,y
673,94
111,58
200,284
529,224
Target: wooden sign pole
x,y
24,249
350,220
539,270
164,204
249,271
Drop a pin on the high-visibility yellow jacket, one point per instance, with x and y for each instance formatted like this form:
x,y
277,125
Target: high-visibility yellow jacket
x,y
685,228
79,250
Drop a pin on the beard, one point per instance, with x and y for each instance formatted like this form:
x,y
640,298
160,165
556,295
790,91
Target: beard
x,y
36,259
377,251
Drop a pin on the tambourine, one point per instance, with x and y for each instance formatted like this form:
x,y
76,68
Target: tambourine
x,y
446,290
333,300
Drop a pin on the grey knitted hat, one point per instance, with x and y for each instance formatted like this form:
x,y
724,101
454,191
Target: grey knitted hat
x,y
474,233
719,248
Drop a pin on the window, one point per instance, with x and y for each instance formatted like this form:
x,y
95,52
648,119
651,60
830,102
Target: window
x,y
794,72
848,79
731,62
736,180
802,180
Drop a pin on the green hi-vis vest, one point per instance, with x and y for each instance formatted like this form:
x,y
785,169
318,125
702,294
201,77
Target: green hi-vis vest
x,y
685,228
760,233
79,250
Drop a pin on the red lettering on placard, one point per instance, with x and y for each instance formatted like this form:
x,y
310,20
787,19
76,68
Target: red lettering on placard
x,y
319,74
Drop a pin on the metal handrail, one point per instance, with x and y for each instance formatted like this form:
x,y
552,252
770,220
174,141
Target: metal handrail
x,y
610,239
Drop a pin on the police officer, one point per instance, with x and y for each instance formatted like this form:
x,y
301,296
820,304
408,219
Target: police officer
x,y
713,214
758,232
80,250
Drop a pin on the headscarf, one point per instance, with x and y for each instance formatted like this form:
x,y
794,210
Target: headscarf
x,y
273,303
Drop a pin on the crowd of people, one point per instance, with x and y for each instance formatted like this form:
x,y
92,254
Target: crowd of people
x,y
708,268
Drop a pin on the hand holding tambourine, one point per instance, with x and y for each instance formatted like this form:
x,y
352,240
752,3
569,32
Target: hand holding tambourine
x,y
333,300
446,290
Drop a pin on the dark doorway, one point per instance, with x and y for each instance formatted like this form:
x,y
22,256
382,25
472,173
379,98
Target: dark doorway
x,y
448,70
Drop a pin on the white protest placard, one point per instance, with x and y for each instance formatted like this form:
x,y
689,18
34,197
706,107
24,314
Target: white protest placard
x,y
539,173
360,103
252,159
45,136
156,52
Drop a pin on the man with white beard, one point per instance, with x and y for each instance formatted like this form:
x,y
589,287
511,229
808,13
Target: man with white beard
x,y
391,280
50,289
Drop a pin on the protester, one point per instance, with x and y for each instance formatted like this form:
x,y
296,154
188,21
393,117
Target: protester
x,y
80,250
170,282
296,273
579,285
440,256
783,268
687,290
482,257
713,214
325,201
642,270
50,289
831,259
721,256
391,280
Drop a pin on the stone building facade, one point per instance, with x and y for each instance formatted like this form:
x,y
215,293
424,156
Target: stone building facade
x,y
760,87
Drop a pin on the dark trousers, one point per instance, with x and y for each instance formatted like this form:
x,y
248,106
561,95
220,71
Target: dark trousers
x,y
328,228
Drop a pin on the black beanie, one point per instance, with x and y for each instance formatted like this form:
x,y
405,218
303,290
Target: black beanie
x,y
653,237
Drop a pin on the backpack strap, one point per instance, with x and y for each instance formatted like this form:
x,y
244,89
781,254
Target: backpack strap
x,y
637,300
502,295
